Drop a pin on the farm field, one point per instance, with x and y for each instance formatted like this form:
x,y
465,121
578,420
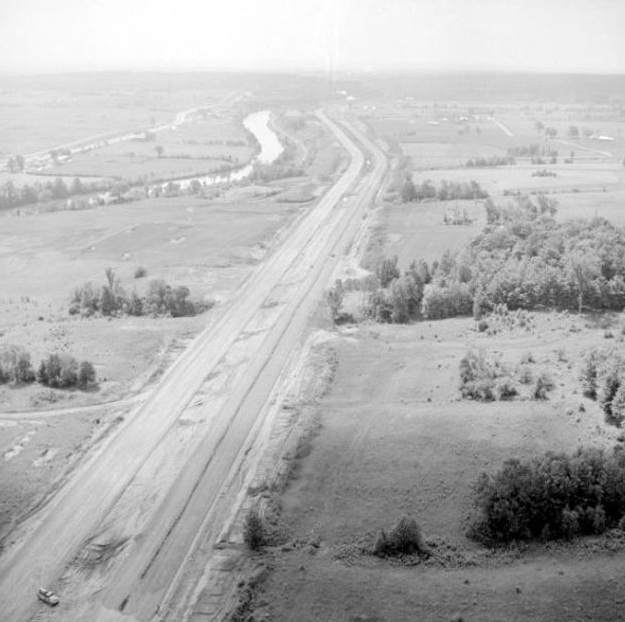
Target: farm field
x,y
191,242
44,112
193,148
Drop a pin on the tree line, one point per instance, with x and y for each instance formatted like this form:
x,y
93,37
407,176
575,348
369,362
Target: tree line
x,y
446,190
60,371
111,299
29,194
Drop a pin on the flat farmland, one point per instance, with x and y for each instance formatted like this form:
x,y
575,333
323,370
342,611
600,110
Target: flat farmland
x,y
579,176
210,247
417,230
193,148
43,112
444,155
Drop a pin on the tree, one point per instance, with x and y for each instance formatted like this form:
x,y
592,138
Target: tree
x,y
540,126
254,530
53,370
107,303
387,270
110,277
408,191
86,374
19,160
28,194
573,131
583,268
42,373
77,187
59,189
69,371
160,150
334,298
551,132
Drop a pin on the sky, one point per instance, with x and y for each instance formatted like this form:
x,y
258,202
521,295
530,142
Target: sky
x,y
46,36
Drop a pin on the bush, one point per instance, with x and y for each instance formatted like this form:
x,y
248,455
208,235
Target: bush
x,y
15,365
64,372
506,390
404,539
140,272
86,374
544,384
254,530
590,372
478,376
525,374
552,496
441,302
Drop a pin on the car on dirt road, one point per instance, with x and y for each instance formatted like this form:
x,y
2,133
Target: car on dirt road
x,y
48,597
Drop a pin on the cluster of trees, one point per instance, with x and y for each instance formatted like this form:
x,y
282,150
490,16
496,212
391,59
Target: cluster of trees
x,y
64,372
553,159
112,300
405,538
486,379
57,370
543,172
446,190
16,163
270,172
533,150
553,496
525,259
603,379
491,161
457,217
394,297
29,194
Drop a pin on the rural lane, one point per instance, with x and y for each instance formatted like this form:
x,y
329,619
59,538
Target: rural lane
x,y
68,519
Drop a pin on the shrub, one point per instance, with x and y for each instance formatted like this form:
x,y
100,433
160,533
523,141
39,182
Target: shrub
x,y
16,365
86,374
387,271
590,372
544,384
254,530
506,390
405,538
140,272
525,374
478,376
441,302
552,496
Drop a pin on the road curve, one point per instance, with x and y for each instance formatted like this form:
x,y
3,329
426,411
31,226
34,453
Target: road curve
x,y
58,531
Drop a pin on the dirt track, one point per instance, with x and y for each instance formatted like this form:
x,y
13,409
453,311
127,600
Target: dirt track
x,y
169,523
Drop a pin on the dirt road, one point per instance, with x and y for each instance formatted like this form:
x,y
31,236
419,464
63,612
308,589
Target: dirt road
x,y
53,538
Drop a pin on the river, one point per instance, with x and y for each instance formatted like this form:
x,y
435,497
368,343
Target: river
x,y
270,149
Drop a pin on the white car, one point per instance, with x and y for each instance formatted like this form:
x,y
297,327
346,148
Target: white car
x,y
48,597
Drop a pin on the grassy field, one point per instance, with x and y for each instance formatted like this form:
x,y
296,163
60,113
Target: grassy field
x,y
209,246
200,146
395,439
40,113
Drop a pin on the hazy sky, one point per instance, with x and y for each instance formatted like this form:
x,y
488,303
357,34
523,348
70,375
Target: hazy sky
x,y
542,35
